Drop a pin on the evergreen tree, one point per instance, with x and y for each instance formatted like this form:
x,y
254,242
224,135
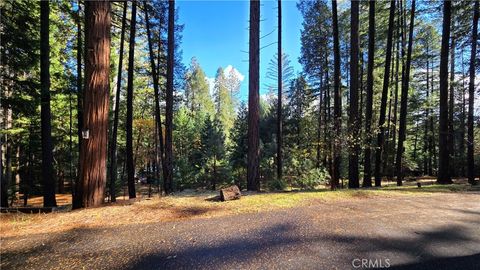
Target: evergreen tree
x,y
212,148
225,110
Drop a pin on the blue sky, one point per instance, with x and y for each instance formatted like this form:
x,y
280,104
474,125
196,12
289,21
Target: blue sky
x,y
216,33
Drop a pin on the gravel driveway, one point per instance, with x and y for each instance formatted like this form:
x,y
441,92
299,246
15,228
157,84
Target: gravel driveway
x,y
427,231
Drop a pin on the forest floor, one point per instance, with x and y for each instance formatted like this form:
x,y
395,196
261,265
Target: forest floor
x,y
407,227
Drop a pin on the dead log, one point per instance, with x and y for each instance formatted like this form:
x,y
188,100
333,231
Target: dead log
x,y
230,193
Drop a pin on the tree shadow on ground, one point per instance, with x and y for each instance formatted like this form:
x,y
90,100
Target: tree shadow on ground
x,y
280,243
264,249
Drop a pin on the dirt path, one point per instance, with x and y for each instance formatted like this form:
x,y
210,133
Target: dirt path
x,y
440,231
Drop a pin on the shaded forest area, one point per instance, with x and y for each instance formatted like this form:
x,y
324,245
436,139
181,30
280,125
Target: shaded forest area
x,y
96,102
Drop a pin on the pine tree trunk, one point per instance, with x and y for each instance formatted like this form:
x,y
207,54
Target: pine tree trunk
x,y
158,119
451,103
168,167
443,166
337,100
93,156
48,179
367,180
129,124
461,145
471,97
353,176
362,94
383,103
327,119
404,101
113,142
280,89
253,97
3,178
393,130
319,122
426,154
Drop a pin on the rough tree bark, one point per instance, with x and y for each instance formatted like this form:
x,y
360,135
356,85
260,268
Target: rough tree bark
x,y
168,168
404,101
253,182
48,179
113,147
337,100
353,177
443,166
383,103
367,180
93,156
129,124
471,97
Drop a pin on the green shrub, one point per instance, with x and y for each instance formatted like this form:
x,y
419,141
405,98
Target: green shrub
x,y
312,178
276,184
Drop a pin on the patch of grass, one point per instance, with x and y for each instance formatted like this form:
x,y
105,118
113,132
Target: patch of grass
x,y
188,205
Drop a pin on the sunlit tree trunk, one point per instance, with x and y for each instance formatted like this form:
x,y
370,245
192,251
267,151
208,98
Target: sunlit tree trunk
x,y
93,156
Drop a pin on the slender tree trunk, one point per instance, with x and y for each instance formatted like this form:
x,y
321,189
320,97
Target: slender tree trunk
x,y
471,96
353,176
443,166
4,179
415,143
362,94
337,100
451,104
129,123
93,156
461,145
393,130
113,147
48,179
253,98
433,148
326,132
158,119
168,167
383,104
319,122
29,175
426,154
367,180
280,89
404,101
